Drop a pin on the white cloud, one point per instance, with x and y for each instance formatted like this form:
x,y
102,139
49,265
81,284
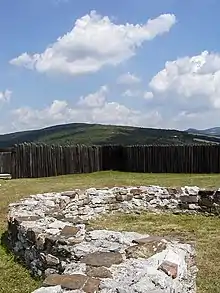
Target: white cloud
x,y
148,95
90,111
128,79
138,93
186,91
131,93
94,100
94,42
5,96
193,80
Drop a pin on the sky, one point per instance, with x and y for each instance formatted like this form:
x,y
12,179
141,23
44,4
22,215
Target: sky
x,y
147,63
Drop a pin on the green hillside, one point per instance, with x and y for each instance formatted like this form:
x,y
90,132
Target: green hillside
x,y
81,133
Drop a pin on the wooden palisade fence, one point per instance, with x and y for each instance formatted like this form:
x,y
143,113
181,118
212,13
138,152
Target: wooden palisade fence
x,y
5,161
32,160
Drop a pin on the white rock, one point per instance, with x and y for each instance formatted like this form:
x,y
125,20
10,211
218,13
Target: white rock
x,y
55,289
75,268
57,225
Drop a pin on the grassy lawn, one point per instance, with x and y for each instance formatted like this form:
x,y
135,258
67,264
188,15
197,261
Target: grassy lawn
x,y
205,230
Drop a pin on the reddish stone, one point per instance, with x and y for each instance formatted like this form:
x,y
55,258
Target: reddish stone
x,y
169,268
136,191
70,282
69,231
98,272
27,219
91,286
102,259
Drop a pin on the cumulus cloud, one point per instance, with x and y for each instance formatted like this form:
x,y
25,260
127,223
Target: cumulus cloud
x,y
131,93
5,96
94,100
191,87
195,80
94,42
138,93
185,93
148,95
128,79
93,108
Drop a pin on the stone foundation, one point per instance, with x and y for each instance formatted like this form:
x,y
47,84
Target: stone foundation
x,y
48,232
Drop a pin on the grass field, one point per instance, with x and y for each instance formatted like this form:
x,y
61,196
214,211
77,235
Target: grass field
x,y
204,230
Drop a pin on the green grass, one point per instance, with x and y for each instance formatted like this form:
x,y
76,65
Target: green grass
x,y
205,230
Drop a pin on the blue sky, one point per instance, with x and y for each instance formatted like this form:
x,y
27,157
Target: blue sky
x,y
79,61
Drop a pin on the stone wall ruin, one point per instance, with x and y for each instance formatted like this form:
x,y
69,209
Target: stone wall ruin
x,y
49,233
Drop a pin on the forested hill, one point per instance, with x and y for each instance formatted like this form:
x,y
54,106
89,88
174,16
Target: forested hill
x,y
82,133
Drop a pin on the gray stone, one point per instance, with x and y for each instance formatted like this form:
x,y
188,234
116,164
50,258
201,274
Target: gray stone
x,y
52,260
75,268
145,250
149,239
206,201
189,199
191,190
121,197
50,271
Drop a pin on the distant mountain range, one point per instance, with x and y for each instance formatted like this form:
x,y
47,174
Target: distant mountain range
x,y
96,134
215,131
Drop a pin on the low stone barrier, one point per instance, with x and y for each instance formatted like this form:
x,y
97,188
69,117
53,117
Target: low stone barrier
x,y
5,176
48,232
